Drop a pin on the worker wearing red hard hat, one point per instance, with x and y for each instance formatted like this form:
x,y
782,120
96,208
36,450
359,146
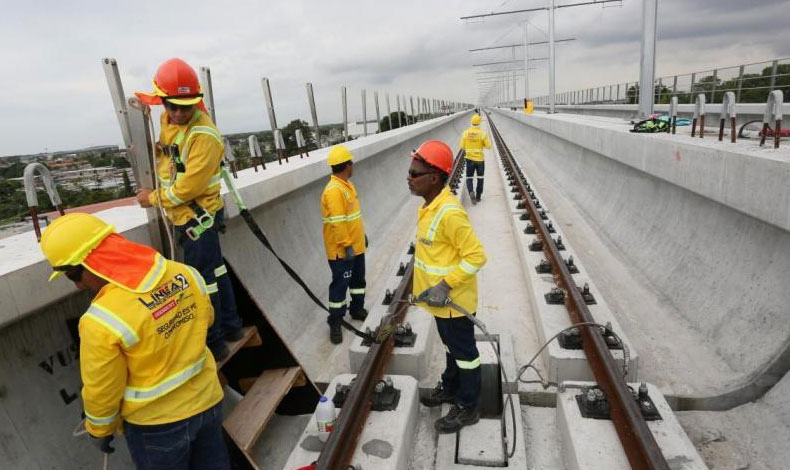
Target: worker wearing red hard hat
x,y
188,158
447,257
143,357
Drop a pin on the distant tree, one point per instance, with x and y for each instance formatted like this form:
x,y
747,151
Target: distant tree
x,y
391,121
127,184
289,134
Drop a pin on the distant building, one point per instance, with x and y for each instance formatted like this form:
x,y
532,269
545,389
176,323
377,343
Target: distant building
x,y
357,128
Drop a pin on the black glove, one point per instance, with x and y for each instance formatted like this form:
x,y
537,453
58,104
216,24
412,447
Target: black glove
x,y
435,296
103,443
349,253
366,241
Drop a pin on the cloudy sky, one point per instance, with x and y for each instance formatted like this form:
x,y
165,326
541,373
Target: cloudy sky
x,y
55,96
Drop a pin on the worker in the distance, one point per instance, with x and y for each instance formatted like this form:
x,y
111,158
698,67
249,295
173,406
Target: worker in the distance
x,y
143,356
473,141
447,257
345,242
188,157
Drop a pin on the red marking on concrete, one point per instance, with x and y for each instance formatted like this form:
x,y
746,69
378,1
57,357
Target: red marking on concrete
x,y
677,155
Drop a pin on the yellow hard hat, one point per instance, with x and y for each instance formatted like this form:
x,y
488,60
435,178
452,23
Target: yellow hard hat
x,y
69,239
339,154
475,119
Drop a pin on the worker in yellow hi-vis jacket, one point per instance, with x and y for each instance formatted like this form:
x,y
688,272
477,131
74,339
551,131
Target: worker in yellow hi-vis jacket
x,y
188,158
143,355
473,141
447,257
345,242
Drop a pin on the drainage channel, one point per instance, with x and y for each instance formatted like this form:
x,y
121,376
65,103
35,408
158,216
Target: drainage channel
x,y
338,451
638,442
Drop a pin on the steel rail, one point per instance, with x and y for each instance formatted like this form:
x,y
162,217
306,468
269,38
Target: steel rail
x,y
339,448
638,442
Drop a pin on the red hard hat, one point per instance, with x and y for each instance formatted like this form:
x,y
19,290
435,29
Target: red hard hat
x,y
435,153
176,81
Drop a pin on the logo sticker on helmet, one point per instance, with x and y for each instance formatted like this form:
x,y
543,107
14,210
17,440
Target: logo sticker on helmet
x,y
183,89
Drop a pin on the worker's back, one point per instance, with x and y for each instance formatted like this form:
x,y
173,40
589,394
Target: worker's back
x,y
159,338
342,218
473,141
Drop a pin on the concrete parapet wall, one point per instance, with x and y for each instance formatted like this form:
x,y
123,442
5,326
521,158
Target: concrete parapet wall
x,y
706,223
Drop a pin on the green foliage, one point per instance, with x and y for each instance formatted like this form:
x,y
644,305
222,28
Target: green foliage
x,y
391,121
289,135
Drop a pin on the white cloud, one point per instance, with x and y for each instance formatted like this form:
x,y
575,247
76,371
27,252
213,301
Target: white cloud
x,y
55,95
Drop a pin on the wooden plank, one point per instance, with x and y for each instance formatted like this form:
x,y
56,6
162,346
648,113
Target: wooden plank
x,y
251,415
250,338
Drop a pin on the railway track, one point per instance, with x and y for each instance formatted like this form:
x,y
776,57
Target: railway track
x,y
638,442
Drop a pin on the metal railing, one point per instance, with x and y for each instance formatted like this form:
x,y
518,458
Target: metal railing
x,y
751,83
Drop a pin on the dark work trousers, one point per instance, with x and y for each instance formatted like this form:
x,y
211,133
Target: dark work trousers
x,y
462,375
346,276
205,255
473,167
194,443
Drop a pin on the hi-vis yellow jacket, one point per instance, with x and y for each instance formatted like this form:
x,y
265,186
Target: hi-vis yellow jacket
x,y
473,141
143,357
342,218
447,249
201,149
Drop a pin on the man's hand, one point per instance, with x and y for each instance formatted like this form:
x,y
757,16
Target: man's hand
x,y
142,197
103,443
349,253
435,296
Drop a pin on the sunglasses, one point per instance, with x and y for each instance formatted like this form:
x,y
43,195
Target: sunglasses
x,y
417,174
177,107
72,273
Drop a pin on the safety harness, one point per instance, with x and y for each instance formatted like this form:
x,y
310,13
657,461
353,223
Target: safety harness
x,y
204,220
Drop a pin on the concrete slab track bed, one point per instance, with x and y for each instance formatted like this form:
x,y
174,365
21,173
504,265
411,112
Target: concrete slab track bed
x,y
685,240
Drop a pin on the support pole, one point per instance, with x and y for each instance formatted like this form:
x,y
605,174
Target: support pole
x,y
313,113
648,62
208,92
364,114
389,112
378,114
552,102
526,61
344,103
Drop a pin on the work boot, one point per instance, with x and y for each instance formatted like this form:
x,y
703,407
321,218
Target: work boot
x,y
479,196
335,333
234,335
220,351
361,314
474,200
437,396
455,419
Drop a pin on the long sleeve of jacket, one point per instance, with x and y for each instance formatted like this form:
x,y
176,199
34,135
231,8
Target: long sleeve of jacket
x,y
459,231
103,371
205,154
336,211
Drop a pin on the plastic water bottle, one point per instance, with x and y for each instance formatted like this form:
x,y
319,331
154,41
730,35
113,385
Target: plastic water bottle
x,y
325,417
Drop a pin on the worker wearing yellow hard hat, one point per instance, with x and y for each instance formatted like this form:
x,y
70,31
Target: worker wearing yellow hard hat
x,y
473,141
143,357
345,242
188,161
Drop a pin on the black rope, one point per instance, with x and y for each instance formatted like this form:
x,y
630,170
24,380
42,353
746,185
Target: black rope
x,y
256,230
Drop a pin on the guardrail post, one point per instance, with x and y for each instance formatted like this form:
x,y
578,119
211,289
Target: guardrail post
x,y
773,110
32,197
673,112
344,104
301,143
740,83
255,152
378,113
313,114
699,115
774,70
727,110
364,114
